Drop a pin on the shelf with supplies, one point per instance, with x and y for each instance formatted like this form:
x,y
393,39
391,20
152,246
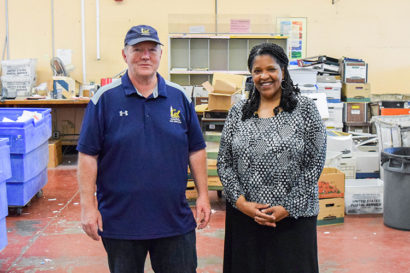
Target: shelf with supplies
x,y
212,123
194,58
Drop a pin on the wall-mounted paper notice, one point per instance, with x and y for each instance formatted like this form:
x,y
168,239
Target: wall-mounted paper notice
x,y
197,29
240,26
65,55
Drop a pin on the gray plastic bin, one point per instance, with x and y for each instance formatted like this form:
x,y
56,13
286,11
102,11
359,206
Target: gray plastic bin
x,y
396,165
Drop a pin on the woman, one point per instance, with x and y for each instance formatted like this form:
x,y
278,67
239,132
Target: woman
x,y
272,153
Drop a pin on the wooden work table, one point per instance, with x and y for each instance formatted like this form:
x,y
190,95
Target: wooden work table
x,y
50,102
67,115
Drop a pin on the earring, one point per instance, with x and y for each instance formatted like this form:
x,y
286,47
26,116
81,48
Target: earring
x,y
281,84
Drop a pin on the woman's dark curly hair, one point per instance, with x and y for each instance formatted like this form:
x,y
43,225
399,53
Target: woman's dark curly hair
x,y
288,99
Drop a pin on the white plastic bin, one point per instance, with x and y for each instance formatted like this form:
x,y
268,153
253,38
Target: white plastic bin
x,y
21,67
15,86
364,196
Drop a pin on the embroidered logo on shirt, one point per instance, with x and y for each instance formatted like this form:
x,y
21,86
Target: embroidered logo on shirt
x,y
123,113
174,115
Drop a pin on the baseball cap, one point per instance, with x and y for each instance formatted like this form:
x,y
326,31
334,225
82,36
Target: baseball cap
x,y
141,33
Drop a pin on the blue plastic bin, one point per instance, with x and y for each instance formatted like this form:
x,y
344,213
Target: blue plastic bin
x,y
25,136
3,233
5,173
3,200
5,168
19,194
26,166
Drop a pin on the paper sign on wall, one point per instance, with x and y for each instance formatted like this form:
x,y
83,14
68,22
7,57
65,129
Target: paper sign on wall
x,y
295,30
240,26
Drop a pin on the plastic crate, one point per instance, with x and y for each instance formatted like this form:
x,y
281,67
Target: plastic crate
x,y
26,166
5,167
3,233
3,200
22,67
19,194
25,136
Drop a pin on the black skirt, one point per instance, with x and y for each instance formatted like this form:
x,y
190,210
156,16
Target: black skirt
x,y
291,247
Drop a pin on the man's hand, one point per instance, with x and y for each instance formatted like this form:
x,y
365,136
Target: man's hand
x,y
91,222
270,216
203,212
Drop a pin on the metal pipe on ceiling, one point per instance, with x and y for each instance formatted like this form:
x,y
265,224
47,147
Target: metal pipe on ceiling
x,y
7,38
216,17
97,6
52,29
83,40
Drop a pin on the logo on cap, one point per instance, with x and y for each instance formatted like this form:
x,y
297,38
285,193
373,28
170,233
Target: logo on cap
x,y
145,31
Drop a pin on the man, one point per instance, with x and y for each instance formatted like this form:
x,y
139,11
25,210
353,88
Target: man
x,y
138,136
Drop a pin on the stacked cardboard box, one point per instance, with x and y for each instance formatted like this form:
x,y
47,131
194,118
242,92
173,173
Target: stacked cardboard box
x,y
225,90
356,94
356,117
331,197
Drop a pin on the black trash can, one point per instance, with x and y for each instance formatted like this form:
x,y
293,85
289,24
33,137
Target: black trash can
x,y
396,178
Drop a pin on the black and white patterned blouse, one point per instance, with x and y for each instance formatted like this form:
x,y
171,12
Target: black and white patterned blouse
x,y
275,160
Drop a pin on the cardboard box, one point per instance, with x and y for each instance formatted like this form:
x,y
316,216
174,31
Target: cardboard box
x,y
219,99
354,72
65,87
237,80
220,102
356,92
332,90
331,183
55,153
222,92
356,112
224,87
362,127
331,211
394,111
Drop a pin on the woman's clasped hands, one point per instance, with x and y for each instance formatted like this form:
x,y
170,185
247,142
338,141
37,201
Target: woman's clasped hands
x,y
263,214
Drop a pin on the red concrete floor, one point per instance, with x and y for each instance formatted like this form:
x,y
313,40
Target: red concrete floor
x,y
47,237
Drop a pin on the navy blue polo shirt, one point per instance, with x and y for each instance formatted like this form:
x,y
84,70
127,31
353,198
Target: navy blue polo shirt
x,y
143,145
